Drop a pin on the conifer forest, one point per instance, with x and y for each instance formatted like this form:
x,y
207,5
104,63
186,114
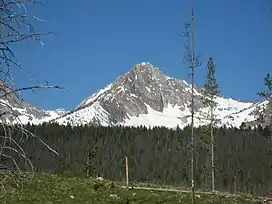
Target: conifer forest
x,y
243,157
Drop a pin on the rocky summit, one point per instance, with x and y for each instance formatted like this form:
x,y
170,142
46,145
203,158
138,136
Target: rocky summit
x,y
146,96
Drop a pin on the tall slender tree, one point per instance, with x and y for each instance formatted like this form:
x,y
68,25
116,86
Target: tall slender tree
x,y
210,91
192,104
192,61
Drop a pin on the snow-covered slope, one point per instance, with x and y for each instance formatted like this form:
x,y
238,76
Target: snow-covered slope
x,y
26,113
145,96
230,113
94,96
14,110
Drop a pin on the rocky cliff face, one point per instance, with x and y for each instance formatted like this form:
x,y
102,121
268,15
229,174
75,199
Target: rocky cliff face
x,y
146,96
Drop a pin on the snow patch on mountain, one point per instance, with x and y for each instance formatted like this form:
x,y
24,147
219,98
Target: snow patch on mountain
x,y
25,118
94,113
32,115
170,117
229,112
93,97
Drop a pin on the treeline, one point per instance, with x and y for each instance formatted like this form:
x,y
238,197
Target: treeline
x,y
243,157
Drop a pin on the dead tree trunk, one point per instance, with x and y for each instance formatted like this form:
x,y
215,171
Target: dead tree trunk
x,y
193,111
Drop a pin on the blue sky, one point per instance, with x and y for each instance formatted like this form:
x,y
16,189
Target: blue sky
x,y
95,41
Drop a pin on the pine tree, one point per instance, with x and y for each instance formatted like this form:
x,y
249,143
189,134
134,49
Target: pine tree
x,y
210,92
266,116
211,86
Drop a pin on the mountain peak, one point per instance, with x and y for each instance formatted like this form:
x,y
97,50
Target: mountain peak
x,y
146,96
144,63
146,67
144,71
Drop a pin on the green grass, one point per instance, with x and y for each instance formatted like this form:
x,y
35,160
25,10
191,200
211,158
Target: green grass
x,y
56,189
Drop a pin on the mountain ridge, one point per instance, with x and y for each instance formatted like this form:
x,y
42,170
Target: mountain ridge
x,y
142,96
119,101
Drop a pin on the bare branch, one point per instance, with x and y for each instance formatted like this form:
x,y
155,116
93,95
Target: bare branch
x,y
31,88
15,27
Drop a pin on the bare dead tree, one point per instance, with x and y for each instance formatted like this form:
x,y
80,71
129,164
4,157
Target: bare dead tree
x,y
16,26
192,108
192,62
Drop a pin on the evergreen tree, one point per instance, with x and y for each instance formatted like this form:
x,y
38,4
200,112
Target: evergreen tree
x,y
266,115
210,92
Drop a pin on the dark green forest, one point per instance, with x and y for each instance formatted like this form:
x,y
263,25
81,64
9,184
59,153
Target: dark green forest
x,y
243,157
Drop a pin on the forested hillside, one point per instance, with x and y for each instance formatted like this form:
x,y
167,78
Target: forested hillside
x,y
243,157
